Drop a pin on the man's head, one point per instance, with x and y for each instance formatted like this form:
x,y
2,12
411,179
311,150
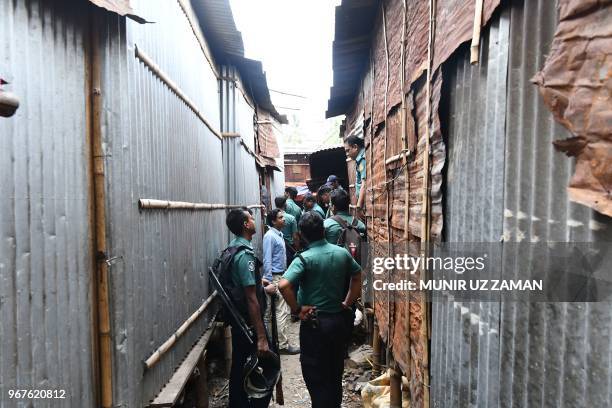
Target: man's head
x,y
240,222
340,200
291,192
280,202
276,218
333,182
309,201
311,226
352,146
323,194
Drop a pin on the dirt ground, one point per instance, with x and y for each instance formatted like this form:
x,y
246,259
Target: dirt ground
x,y
295,392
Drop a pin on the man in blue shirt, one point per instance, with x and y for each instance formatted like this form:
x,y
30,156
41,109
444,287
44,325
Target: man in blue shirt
x,y
274,265
290,230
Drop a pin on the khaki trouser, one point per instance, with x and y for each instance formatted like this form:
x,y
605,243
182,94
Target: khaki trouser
x,y
283,314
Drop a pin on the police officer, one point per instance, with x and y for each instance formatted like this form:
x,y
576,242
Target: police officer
x,y
355,150
323,304
245,273
292,207
340,201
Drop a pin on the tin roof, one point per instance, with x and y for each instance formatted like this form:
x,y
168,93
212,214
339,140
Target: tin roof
x,y
354,23
219,28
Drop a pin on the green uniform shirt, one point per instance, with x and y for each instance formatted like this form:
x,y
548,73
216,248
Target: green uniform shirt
x,y
244,264
290,227
317,208
323,279
333,229
292,208
360,171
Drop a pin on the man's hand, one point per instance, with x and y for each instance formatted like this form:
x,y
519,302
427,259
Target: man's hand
x,y
262,347
306,312
270,289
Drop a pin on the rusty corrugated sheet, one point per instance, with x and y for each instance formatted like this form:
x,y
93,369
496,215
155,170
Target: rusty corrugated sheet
x,y
575,84
454,24
121,7
267,134
46,259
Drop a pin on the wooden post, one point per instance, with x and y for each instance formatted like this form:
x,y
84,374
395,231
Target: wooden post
x,y
396,386
202,383
376,353
475,47
228,351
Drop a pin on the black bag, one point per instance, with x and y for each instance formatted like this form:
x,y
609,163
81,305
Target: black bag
x,y
222,268
350,237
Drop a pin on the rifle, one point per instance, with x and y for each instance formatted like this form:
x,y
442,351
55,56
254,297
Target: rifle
x,y
280,397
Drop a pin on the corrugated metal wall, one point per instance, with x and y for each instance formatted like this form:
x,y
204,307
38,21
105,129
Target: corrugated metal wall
x,y
156,147
240,169
46,261
502,163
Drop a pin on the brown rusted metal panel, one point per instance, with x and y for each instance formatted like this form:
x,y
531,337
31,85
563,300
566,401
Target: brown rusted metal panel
x,y
575,84
267,135
121,7
454,25
455,20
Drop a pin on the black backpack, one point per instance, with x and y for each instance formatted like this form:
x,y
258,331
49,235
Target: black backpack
x,y
350,237
222,268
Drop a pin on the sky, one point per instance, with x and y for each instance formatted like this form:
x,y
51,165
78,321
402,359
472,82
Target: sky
x,y
293,39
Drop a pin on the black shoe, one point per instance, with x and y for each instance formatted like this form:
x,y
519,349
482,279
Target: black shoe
x,y
290,350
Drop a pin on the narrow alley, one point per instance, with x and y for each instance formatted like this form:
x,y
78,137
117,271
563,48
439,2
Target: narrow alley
x,y
326,203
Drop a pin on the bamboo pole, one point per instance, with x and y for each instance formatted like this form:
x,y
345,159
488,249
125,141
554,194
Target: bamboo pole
x,y
407,234
163,349
157,71
425,204
104,343
152,204
475,48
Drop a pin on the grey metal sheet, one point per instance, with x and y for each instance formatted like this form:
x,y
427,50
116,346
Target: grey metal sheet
x,y
156,147
465,352
45,238
505,181
241,177
551,352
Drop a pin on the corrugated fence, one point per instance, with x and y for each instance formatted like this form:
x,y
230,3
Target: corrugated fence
x,y
157,147
46,261
161,139
501,161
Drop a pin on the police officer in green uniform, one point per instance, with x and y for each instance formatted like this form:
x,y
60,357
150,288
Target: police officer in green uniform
x,y
340,207
292,208
310,204
355,149
330,282
245,273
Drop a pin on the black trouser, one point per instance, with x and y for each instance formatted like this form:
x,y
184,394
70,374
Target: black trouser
x,y
241,349
322,356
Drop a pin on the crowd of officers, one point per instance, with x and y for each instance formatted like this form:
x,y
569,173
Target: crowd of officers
x,y
305,275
